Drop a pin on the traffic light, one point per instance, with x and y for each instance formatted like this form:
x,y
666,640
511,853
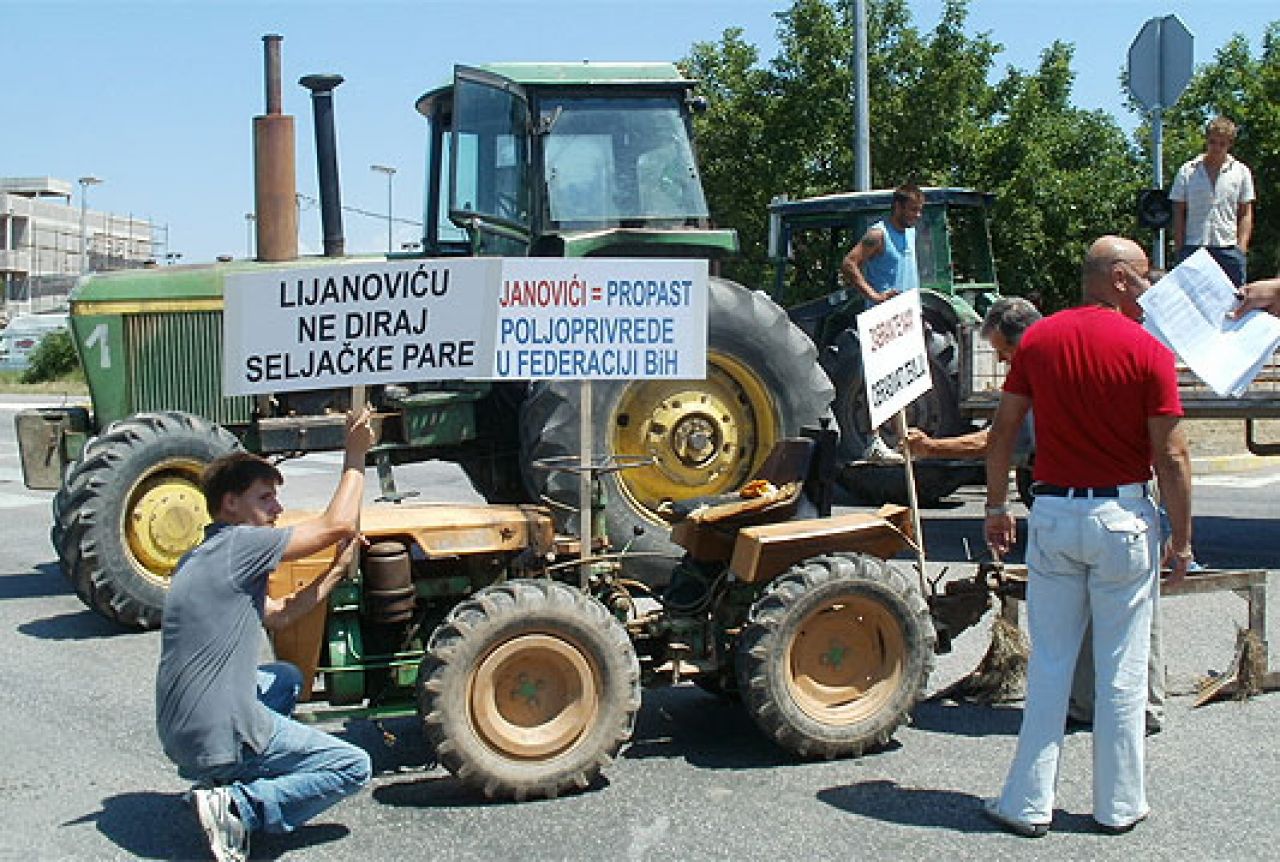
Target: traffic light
x,y
1155,210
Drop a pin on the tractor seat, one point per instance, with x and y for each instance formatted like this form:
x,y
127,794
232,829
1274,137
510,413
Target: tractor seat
x,y
786,469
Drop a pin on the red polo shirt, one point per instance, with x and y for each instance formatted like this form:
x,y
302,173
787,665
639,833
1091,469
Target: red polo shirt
x,y
1094,377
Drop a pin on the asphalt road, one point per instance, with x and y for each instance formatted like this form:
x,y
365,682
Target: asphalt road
x,y
82,775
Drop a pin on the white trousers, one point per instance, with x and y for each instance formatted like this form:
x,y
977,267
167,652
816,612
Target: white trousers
x,y
1087,560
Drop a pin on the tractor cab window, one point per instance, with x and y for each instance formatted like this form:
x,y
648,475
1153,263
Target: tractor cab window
x,y
490,154
970,246
933,253
619,161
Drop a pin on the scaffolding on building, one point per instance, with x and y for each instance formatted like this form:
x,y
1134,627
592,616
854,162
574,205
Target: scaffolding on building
x,y
47,243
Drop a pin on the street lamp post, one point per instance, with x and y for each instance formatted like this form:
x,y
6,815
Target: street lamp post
x,y
390,172
249,219
85,182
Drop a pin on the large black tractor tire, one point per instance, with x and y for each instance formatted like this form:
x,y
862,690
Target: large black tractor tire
x,y
835,655
528,690
706,437
495,471
937,413
131,507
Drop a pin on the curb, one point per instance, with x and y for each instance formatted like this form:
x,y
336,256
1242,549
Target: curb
x,y
1241,463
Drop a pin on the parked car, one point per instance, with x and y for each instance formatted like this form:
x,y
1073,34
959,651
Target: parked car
x,y
24,333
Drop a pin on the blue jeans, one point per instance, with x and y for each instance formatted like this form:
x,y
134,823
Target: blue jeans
x,y
1232,260
1088,560
299,774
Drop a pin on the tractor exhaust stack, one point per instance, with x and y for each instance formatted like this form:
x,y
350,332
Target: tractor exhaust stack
x,y
274,172
322,87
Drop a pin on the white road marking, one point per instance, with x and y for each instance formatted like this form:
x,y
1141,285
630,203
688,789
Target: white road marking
x,y
15,406
1237,481
24,499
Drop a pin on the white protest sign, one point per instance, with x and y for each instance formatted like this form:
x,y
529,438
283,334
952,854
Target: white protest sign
x,y
351,323
895,360
348,323
602,319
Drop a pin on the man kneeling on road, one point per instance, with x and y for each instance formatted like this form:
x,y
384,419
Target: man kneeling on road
x,y
223,720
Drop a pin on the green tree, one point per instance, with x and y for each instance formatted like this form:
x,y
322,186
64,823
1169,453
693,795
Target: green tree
x,y
53,358
1063,176
1246,88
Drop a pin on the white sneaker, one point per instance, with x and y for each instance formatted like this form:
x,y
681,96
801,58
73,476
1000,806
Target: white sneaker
x,y
228,839
878,452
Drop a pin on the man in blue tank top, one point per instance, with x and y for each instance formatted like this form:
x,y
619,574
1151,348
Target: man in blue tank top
x,y
881,266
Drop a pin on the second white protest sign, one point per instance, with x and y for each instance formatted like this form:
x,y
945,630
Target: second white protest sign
x,y
895,359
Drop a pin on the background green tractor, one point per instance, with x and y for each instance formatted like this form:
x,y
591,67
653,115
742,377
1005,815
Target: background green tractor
x,y
572,160
809,239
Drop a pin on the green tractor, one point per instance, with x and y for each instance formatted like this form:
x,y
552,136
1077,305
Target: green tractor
x,y
553,160
808,240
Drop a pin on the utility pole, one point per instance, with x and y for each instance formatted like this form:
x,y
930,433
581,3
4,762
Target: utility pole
x,y
249,219
861,98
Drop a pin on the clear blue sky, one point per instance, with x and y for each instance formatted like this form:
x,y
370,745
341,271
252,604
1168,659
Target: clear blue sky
x,y
156,98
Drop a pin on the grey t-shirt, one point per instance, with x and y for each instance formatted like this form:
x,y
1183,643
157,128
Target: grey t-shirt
x,y
207,708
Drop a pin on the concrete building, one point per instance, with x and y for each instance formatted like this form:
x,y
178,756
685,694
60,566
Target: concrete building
x,y
41,254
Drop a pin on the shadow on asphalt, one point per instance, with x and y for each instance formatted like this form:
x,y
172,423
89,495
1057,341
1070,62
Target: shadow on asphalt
x,y
445,791
162,826
44,581
1235,543
706,731
77,626
1220,542
961,540
959,718
889,802
681,722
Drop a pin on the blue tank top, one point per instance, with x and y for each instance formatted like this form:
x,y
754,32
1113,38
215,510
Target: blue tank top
x,y
895,267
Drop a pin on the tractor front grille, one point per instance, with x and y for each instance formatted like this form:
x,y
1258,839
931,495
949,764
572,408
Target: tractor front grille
x,y
177,365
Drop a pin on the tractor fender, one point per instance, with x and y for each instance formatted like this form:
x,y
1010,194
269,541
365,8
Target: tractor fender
x,y
762,553
953,311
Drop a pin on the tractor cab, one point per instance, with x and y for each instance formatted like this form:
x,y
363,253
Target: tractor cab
x,y
809,238
566,160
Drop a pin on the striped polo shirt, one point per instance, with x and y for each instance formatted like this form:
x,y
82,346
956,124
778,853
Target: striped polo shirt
x,y
1212,208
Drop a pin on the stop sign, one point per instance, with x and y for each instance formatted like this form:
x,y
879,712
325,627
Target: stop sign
x,y
1160,61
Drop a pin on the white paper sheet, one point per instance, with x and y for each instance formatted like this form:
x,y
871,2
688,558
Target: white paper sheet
x,y
1187,310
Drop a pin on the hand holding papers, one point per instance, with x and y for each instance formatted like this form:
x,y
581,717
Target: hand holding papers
x,y
1189,310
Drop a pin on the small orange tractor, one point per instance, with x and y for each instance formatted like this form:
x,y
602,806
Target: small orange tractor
x,y
525,660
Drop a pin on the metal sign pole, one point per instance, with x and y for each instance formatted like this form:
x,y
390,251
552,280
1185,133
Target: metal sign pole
x,y
585,503
358,397
900,421
1157,159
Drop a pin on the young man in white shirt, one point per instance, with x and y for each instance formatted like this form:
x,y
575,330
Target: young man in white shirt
x,y
1213,203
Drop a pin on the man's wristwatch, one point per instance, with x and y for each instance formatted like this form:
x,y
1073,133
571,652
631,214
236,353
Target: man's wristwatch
x,y
1002,509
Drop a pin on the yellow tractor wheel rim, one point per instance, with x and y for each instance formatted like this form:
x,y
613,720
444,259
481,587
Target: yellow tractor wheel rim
x,y
706,437
846,660
165,517
534,697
